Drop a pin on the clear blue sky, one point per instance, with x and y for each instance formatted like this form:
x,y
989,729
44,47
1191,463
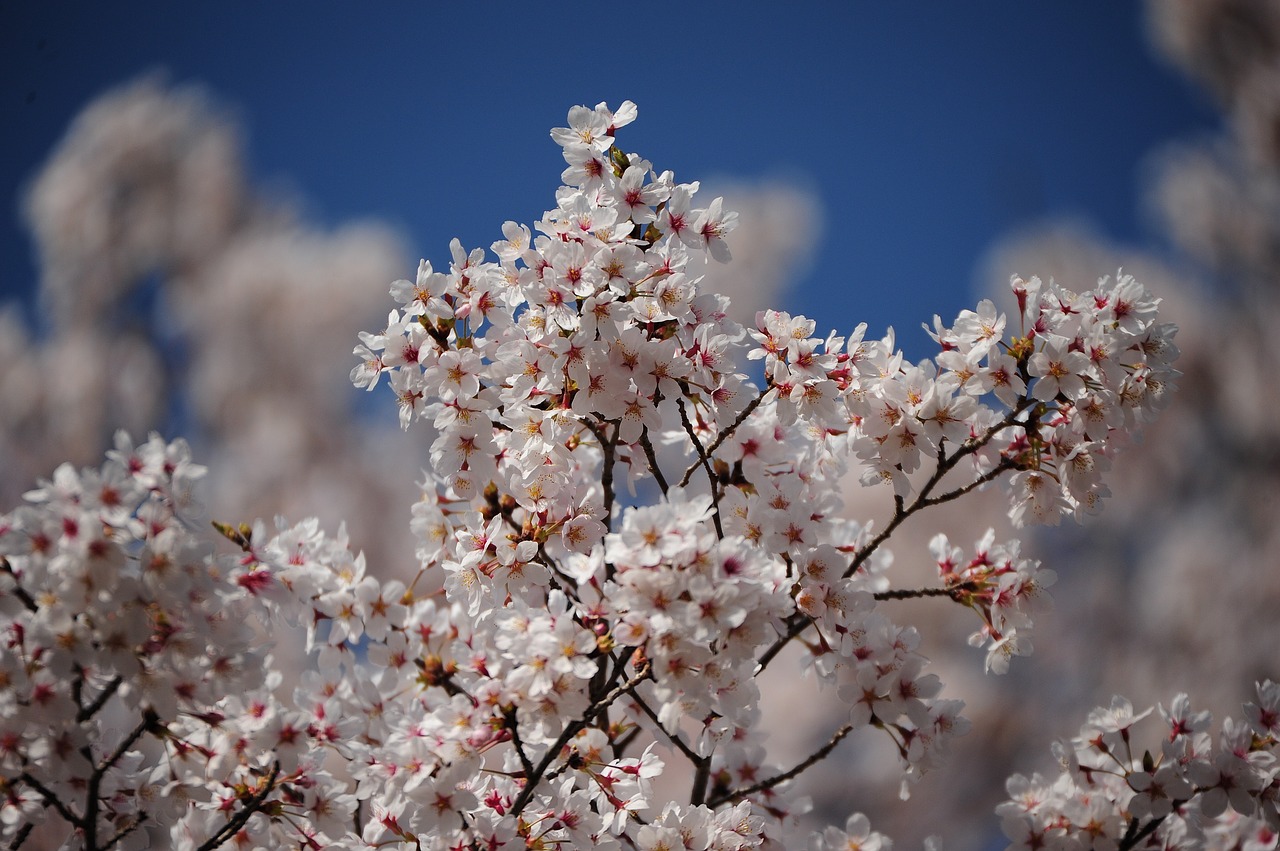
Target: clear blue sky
x,y
929,128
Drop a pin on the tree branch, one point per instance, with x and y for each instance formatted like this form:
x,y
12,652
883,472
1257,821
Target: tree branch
x,y
21,593
514,726
653,461
51,799
674,738
763,785
1133,836
915,593
608,448
87,712
706,465
21,836
799,622
253,805
725,432
123,832
572,729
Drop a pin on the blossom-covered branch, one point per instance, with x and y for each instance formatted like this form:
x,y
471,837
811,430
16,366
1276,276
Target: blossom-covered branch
x,y
586,635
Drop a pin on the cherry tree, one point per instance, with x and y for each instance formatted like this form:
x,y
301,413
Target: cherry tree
x,y
631,526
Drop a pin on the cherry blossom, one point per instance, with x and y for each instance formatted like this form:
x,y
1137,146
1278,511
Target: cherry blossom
x,y
588,638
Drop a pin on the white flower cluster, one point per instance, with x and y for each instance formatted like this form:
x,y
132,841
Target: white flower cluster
x,y
1006,591
122,641
1186,794
579,644
1083,369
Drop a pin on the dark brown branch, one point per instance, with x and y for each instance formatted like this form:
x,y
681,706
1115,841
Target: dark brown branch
x,y
514,726
1133,836
21,593
674,738
653,461
51,799
701,777
799,622
764,785
21,836
970,447
1005,465
87,712
115,840
148,722
89,824
572,729
253,805
724,434
914,593
608,448
621,745
706,465
701,764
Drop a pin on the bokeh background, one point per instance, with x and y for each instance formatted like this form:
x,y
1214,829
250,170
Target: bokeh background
x,y
203,205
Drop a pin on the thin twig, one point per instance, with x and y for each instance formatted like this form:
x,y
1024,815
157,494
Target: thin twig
x,y
87,712
914,593
725,432
514,726
21,593
701,777
674,738
706,465
608,448
763,785
1133,837
21,836
51,799
653,460
253,805
115,840
148,722
572,729
799,622
701,764
1005,465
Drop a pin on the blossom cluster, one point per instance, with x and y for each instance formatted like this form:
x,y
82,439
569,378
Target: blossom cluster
x,y
1005,590
585,636
1183,793
123,638
1048,403
587,351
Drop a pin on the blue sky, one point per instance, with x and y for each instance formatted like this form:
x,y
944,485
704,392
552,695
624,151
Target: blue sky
x,y
928,129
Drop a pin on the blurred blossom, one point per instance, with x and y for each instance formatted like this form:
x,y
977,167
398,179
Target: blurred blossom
x,y
1217,42
267,325
1220,199
1178,581
148,179
1257,116
1183,566
1219,210
175,297
62,395
291,301
779,226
